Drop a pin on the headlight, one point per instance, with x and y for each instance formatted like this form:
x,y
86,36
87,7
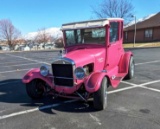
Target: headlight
x,y
79,73
44,70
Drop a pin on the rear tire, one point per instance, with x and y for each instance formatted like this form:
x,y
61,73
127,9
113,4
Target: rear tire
x,y
35,89
131,68
100,96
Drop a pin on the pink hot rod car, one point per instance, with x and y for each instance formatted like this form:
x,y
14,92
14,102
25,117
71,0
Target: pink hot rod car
x,y
92,60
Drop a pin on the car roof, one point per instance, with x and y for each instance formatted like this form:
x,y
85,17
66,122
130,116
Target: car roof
x,y
89,23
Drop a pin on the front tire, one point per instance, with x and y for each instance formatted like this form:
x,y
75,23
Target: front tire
x,y
35,89
100,96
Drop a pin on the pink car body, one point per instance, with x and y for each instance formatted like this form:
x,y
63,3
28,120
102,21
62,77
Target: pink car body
x,y
105,58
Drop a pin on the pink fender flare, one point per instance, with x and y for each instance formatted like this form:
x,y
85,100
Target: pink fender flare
x,y
93,83
35,74
124,62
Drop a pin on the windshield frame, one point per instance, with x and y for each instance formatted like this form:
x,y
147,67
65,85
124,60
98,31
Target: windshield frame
x,y
79,35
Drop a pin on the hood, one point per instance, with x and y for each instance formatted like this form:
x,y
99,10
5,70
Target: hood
x,y
86,56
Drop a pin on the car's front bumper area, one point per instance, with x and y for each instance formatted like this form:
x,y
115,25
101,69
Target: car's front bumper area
x,y
49,80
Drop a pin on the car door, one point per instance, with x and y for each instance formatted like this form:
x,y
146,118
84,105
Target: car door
x,y
114,47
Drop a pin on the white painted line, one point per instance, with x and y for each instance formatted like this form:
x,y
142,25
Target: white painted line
x,y
132,84
148,62
22,64
18,70
122,89
135,86
149,88
29,59
148,83
140,85
17,61
70,101
95,119
4,83
35,109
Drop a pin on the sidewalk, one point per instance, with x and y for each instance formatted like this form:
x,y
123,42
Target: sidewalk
x,y
140,45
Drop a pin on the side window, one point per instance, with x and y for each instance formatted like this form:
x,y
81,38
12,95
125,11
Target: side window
x,y
114,29
70,37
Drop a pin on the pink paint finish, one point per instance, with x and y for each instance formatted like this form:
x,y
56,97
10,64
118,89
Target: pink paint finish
x,y
85,56
108,60
94,82
35,74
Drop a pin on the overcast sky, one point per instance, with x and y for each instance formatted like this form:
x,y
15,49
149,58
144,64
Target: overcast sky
x,y
31,15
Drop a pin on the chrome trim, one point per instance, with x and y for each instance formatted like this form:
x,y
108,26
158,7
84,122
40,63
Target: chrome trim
x,y
64,77
63,60
59,77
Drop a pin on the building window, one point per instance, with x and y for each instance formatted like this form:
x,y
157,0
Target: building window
x,y
148,33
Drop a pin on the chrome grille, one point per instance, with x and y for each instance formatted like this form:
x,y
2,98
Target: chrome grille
x,y
63,74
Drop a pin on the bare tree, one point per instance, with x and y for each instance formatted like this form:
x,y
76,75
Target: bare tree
x,y
115,8
55,37
42,36
59,42
8,32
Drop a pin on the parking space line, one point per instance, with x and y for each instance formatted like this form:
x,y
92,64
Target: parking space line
x,y
17,70
149,88
29,59
35,109
132,84
96,119
122,89
70,101
148,83
13,62
22,64
143,85
150,62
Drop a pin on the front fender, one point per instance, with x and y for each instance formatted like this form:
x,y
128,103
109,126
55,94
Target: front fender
x,y
35,74
93,83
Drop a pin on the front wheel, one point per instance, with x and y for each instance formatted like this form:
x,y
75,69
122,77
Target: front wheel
x,y
100,96
35,89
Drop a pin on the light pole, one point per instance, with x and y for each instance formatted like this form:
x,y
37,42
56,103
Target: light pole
x,y
134,30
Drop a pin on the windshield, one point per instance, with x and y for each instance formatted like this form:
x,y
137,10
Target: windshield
x,y
85,36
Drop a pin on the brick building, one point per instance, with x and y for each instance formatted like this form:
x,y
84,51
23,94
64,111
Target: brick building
x,y
147,30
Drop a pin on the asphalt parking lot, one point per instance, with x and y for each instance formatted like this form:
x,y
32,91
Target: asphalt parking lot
x,y
134,105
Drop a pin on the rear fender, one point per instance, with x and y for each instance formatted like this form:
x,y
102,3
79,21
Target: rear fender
x,y
35,74
93,83
124,62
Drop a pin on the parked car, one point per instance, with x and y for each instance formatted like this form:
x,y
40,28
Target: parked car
x,y
93,60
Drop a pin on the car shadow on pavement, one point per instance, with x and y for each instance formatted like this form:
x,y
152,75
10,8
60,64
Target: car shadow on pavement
x,y
13,91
